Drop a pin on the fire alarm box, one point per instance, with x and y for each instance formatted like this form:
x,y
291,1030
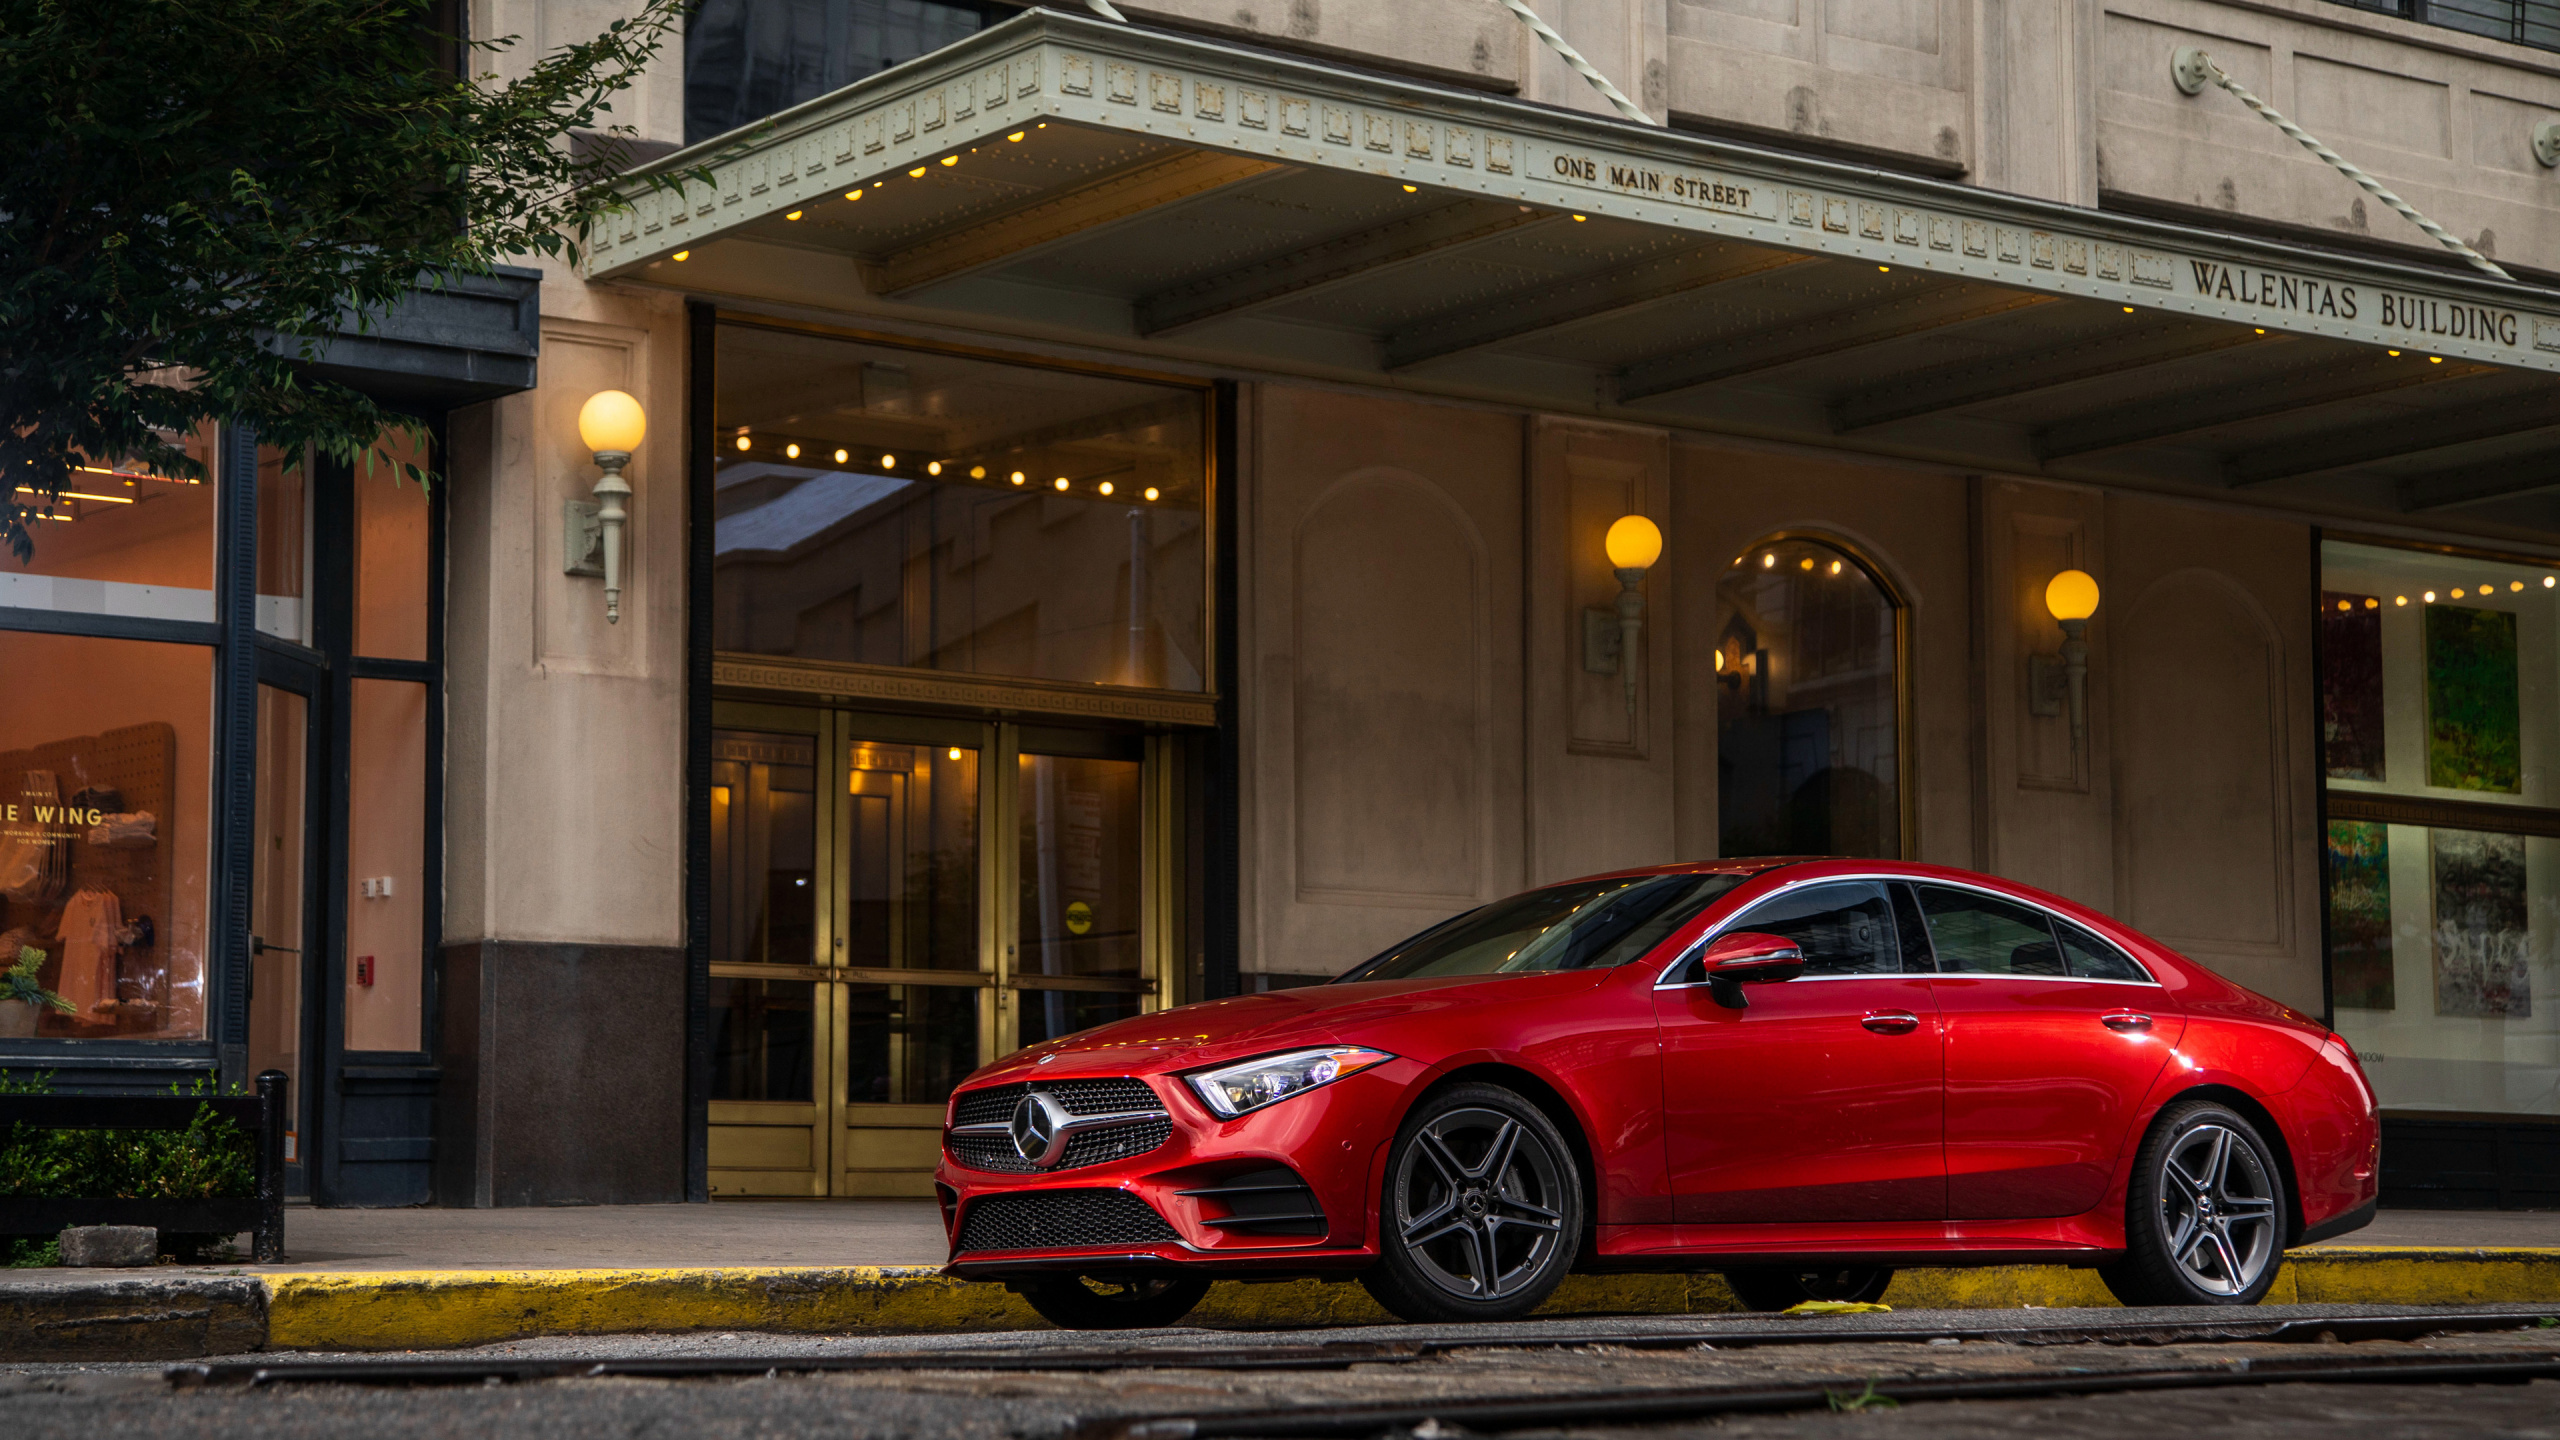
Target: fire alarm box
x,y
364,970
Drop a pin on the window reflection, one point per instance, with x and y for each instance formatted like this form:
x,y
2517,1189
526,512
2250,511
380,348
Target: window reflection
x,y
122,540
763,848
897,507
1808,744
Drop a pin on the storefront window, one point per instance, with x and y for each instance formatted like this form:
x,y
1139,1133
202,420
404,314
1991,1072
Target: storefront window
x,y
105,774
122,541
1808,708
386,865
900,507
284,547
391,554
2440,729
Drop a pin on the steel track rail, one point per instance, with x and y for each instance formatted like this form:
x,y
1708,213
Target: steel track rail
x,y
1625,1407
1342,1355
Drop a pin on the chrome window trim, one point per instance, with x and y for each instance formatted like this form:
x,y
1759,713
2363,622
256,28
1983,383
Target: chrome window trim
x,y
1663,980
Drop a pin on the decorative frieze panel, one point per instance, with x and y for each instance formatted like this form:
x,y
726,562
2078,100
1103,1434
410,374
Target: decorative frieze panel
x,y
1196,93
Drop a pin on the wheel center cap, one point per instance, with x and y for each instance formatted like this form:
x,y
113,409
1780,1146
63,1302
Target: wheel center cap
x,y
1474,1202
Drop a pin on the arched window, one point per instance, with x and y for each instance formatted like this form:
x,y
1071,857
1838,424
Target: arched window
x,y
1808,705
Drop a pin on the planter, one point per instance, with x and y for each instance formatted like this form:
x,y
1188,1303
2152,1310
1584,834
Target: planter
x,y
17,1020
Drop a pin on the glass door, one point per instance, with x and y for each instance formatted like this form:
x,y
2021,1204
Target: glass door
x,y
284,892
898,900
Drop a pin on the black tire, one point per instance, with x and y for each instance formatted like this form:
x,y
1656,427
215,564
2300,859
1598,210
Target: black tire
x,y
1078,1302
1482,1214
2205,1217
1771,1288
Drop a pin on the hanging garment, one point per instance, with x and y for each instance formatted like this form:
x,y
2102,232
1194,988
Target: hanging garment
x,y
88,935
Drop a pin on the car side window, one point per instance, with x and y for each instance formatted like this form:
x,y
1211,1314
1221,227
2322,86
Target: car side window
x,y
2091,958
1978,934
1844,928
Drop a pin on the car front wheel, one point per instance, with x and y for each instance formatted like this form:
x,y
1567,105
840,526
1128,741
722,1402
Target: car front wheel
x,y
1482,1212
2205,1219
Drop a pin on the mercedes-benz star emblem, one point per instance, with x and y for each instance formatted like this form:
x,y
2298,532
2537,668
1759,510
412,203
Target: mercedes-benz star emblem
x,y
1039,1129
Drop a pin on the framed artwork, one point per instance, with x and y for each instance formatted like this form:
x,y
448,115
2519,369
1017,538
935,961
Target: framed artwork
x,y
2474,729
2351,685
2480,924
2360,915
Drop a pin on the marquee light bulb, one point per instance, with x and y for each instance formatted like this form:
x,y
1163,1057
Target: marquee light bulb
x,y
842,456
1105,487
1062,482
1153,493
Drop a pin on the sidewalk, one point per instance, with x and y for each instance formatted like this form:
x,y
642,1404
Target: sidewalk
x,y
424,1279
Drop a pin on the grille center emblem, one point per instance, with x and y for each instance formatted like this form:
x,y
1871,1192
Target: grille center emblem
x,y
1039,1128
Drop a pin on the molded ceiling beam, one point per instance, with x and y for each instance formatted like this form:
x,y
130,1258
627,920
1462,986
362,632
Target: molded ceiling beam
x,y
1614,292
2169,416
1076,213
1268,281
2108,352
2534,474
1821,337
2413,433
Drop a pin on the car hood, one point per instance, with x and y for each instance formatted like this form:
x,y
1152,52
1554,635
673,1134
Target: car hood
x,y
1213,1031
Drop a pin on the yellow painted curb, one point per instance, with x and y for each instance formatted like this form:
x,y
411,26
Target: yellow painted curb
x,y
439,1309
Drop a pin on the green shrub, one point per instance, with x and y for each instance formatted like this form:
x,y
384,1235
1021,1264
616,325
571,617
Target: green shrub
x,y
211,1159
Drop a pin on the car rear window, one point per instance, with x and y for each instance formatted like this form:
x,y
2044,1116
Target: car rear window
x,y
1590,924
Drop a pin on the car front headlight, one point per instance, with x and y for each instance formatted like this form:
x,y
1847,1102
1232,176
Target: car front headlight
x,y
1234,1089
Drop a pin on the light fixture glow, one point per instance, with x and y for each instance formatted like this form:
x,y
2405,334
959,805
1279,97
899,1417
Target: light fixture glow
x,y
1016,137
2346,604
2390,352
1153,493
791,451
2548,581
2128,309
1017,477
950,159
1768,561
1062,482
853,194
746,444
977,472
888,462
2515,584
1410,189
1104,487
1805,564
916,174
1578,219
2457,592
842,457
1633,542
1887,269
955,752
2435,359
2071,595
1835,567
791,215
612,421
2371,603
2399,599
683,255
933,467
2429,597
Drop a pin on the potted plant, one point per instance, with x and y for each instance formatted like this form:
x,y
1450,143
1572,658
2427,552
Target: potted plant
x,y
21,998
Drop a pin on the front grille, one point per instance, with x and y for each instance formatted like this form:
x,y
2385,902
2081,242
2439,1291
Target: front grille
x,y
994,1104
1061,1220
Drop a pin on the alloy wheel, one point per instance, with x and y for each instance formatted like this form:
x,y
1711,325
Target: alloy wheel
x,y
2217,1209
1480,1203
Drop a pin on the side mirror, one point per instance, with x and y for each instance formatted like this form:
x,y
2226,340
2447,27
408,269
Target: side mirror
x,y
1747,956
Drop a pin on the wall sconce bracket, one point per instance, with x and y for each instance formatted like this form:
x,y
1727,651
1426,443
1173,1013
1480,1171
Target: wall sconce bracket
x,y
2046,686
1603,644
582,537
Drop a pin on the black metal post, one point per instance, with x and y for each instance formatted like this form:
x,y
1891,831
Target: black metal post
x,y
274,1116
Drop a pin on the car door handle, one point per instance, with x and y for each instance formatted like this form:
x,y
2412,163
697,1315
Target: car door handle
x,y
1891,1022
2126,1022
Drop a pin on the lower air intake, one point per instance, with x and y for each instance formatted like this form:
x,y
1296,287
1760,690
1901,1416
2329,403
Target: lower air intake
x,y
1061,1220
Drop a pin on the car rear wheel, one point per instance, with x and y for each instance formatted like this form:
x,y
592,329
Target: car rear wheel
x,y
1081,1302
2205,1219
1483,1209
1779,1289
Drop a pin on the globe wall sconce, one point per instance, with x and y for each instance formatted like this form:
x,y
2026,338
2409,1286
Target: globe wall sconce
x,y
611,424
2055,682
1609,636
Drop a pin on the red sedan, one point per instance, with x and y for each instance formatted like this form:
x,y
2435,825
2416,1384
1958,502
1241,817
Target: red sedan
x,y
1799,1072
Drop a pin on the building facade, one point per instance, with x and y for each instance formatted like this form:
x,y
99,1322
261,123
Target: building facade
x,y
1123,520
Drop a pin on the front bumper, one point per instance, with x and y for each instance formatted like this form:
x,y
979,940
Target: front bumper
x,y
1330,1139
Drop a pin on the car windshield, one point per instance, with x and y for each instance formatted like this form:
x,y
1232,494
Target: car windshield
x,y
1590,924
